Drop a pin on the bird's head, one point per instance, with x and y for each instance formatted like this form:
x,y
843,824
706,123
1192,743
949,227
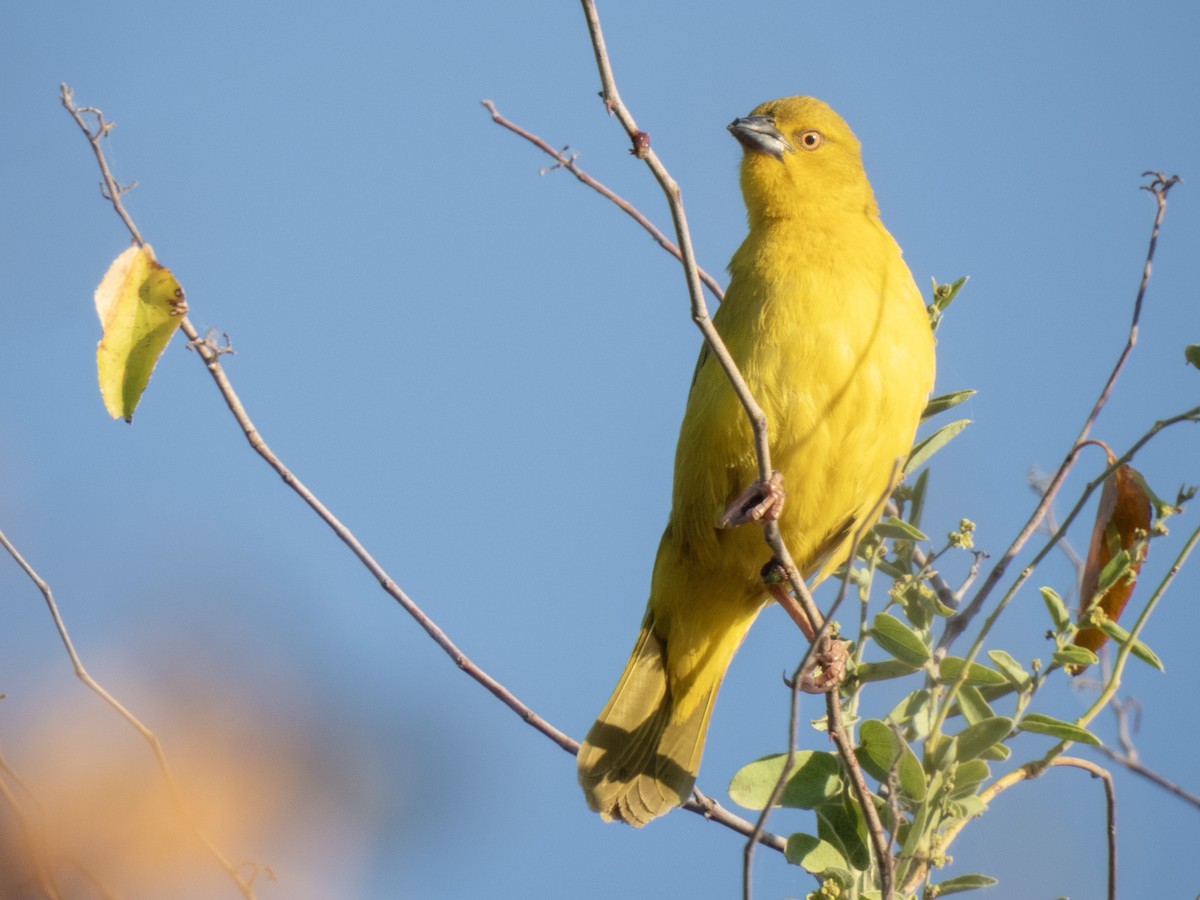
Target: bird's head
x,y
800,157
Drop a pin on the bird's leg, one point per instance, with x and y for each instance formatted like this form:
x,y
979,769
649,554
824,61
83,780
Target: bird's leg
x,y
827,667
784,598
762,501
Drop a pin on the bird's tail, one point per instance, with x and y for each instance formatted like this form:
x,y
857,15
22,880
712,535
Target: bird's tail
x,y
640,758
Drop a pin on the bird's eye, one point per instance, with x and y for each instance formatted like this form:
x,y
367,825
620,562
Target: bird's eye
x,y
811,140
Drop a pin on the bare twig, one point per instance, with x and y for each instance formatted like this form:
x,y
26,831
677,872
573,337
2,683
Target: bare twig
x,y
879,840
210,353
563,161
1159,187
754,413
1028,772
835,725
245,885
1133,764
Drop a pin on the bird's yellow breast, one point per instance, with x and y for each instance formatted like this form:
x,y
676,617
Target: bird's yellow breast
x,y
826,325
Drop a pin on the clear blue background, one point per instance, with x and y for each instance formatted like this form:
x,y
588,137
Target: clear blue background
x,y
481,369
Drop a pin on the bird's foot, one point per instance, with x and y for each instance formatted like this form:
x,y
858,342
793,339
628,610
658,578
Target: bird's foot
x,y
762,501
826,669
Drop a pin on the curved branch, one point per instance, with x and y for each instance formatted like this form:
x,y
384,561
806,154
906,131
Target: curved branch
x,y
563,161
957,623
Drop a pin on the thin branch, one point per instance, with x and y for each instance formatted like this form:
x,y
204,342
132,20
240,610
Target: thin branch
x,y
246,886
1159,187
563,161
1131,762
210,353
834,723
1123,652
1028,772
755,414
879,840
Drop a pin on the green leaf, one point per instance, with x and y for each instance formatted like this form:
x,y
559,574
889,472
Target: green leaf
x,y
899,640
818,857
968,776
1040,724
944,402
1113,571
140,305
952,666
913,712
915,836
881,751
840,822
899,530
963,883
974,739
924,449
974,708
1058,610
916,501
1138,649
1013,670
943,296
1192,354
884,670
814,778
940,753
997,753
1071,655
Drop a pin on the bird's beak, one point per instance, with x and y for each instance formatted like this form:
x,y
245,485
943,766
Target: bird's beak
x,y
759,133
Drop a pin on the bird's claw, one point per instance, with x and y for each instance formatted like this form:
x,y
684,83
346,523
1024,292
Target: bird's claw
x,y
826,669
762,501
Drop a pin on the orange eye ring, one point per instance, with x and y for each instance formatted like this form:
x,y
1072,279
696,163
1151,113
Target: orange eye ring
x,y
810,140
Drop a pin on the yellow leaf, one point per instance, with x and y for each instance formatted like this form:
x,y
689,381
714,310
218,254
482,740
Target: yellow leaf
x,y
140,305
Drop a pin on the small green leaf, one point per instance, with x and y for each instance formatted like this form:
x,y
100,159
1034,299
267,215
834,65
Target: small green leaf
x,y
818,857
915,835
1040,724
912,712
1140,650
917,498
968,776
882,752
944,402
883,671
1114,571
840,822
924,449
1072,655
899,640
1192,354
974,707
996,753
952,666
1013,670
963,883
899,530
974,739
815,777
1057,609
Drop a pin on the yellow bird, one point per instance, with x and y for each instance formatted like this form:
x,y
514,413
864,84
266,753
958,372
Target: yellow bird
x,y
831,334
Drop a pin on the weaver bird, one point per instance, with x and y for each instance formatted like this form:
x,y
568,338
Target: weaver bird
x,y
827,327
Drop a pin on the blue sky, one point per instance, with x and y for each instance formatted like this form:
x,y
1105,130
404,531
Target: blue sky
x,y
481,370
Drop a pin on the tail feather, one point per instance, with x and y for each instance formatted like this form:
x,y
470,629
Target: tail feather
x,y
638,761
